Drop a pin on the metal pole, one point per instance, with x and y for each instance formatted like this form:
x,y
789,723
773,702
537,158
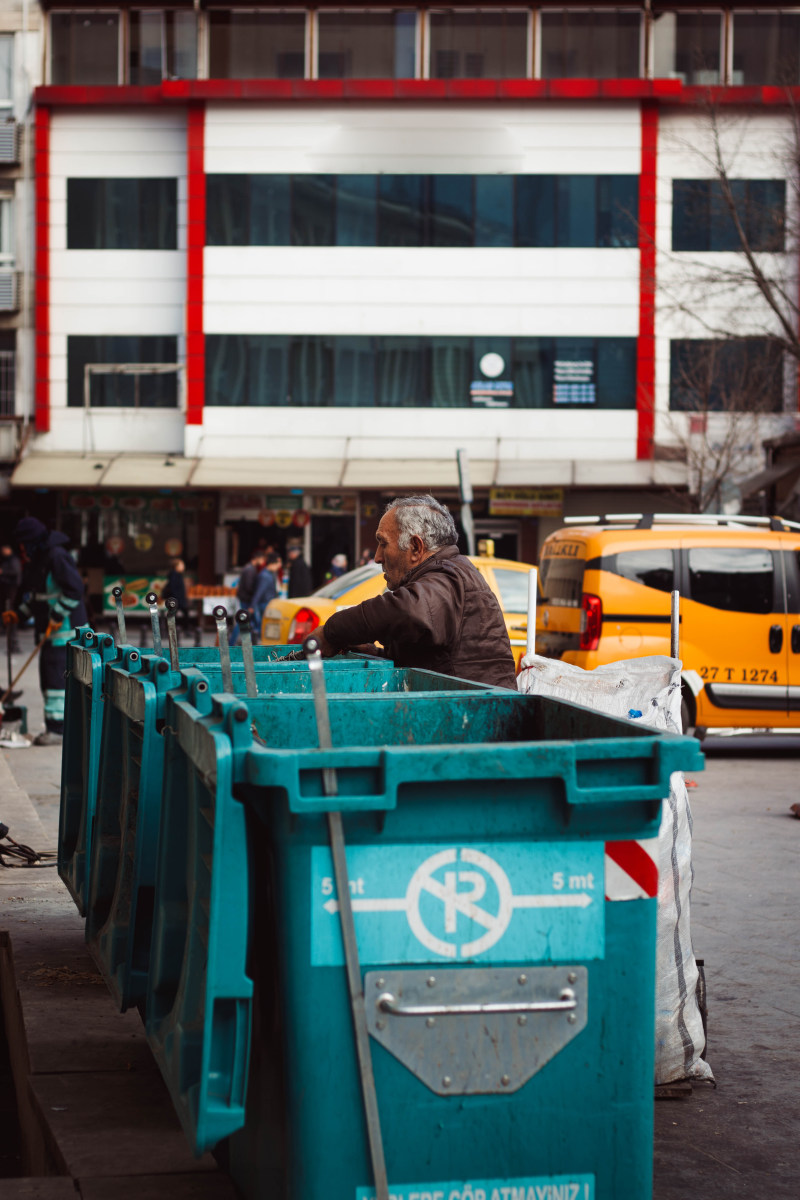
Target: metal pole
x,y
465,491
172,631
675,626
152,600
221,618
533,576
243,621
117,594
357,1004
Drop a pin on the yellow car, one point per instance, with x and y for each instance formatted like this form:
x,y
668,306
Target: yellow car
x,y
289,622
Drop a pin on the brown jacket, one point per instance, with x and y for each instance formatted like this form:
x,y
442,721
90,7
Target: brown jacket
x,y
443,617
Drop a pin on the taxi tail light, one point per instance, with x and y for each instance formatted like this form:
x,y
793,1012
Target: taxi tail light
x,y
591,621
305,620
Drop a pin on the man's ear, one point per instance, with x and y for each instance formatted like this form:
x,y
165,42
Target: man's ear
x,y
417,546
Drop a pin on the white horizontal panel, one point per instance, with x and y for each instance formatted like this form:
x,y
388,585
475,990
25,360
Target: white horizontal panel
x,y
114,431
122,162
120,317
243,438
425,474
155,266
536,472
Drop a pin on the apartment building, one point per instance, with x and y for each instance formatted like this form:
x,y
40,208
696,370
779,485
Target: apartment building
x,y
290,259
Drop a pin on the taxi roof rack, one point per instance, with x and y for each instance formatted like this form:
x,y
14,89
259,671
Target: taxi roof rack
x,y
648,520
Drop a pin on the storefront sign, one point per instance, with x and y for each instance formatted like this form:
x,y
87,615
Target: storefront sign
x,y
526,502
573,382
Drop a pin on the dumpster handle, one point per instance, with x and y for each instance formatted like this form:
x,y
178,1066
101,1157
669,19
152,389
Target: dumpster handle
x,y
221,619
171,605
388,1003
117,594
353,970
152,601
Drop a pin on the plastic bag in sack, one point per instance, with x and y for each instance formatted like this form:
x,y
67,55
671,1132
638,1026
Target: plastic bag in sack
x,y
647,691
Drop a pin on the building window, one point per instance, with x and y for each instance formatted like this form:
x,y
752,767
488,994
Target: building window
x,y
122,391
478,44
162,45
375,44
8,374
702,217
257,45
422,210
85,47
122,214
687,46
6,70
591,44
6,231
256,370
712,375
766,48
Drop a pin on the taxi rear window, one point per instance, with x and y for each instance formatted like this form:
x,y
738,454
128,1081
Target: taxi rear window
x,y
561,580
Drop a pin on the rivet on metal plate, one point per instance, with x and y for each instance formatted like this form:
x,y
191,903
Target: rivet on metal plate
x,y
523,1020
379,983
431,981
571,977
446,1081
505,1080
571,1018
522,979
380,1024
431,1021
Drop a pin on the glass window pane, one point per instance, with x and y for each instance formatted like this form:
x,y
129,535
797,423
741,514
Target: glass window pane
x,y
690,214
310,371
687,46
561,581
270,210
513,589
535,217
354,372
356,210
574,372
366,45
451,210
590,45
494,210
228,210
533,372
6,67
84,47
652,568
616,372
181,34
154,391
478,44
256,45
731,578
451,370
766,48
721,225
765,219
226,370
617,210
400,210
122,214
708,375
313,210
267,370
7,229
401,373
576,209
146,53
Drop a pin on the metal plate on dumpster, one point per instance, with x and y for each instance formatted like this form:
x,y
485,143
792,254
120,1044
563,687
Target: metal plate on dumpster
x,y
530,1187
504,902
476,1030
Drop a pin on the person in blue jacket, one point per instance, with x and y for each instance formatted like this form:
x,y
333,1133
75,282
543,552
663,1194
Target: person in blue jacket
x,y
52,592
266,591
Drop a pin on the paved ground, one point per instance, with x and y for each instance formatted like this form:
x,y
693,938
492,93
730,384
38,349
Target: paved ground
x,y
740,1139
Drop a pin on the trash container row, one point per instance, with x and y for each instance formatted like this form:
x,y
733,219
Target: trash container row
x,y
507,1005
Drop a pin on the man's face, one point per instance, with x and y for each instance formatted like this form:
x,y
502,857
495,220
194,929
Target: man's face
x,y
396,563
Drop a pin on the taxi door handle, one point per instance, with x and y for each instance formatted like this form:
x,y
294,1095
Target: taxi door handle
x,y
775,638
795,639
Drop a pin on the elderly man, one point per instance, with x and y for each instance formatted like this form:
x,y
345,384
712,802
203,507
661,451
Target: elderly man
x,y
439,613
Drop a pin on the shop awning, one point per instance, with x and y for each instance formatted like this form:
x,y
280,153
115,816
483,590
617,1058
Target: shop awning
x,y
766,478
149,471
424,473
266,472
60,470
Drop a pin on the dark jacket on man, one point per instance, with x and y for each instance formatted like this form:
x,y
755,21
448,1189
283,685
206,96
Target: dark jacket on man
x,y
300,582
443,617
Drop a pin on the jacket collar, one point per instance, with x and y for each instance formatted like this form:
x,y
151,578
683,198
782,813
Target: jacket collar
x,y
441,555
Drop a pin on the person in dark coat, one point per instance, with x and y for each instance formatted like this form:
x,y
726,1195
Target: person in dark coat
x,y
51,591
300,582
439,612
266,591
246,589
175,589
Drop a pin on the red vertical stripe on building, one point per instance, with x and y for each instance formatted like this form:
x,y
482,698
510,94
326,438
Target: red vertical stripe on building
x,y
195,242
42,318
646,348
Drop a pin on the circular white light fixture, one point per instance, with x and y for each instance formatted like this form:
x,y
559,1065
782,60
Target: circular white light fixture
x,y
492,365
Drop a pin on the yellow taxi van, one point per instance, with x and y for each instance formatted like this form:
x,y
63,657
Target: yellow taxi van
x,y
604,594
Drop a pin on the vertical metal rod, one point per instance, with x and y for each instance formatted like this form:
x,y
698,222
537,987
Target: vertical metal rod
x,y
243,621
221,618
172,631
354,983
152,600
675,625
533,576
117,594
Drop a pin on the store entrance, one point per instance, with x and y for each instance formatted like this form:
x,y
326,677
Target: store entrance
x,y
504,534
331,534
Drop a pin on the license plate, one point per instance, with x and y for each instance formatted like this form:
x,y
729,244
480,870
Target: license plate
x,y
272,629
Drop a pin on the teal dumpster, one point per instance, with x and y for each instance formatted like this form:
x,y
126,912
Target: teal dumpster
x,y
121,878
477,829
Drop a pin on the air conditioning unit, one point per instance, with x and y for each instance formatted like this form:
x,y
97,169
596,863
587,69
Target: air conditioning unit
x,y
9,142
9,291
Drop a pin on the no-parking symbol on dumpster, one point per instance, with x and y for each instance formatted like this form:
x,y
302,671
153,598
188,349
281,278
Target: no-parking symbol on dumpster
x,y
505,901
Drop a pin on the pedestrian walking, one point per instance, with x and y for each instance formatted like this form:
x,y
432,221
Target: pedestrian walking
x,y
246,589
266,591
300,582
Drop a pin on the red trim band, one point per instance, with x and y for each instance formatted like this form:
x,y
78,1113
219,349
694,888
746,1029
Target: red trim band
x,y
195,242
42,293
646,344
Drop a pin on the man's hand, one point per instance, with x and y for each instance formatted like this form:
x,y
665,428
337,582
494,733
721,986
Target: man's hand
x,y
325,648
52,627
10,617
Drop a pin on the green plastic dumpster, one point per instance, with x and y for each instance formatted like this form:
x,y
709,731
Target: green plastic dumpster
x,y
478,828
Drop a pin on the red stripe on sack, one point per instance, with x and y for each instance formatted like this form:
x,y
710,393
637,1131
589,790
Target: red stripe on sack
x,y
636,862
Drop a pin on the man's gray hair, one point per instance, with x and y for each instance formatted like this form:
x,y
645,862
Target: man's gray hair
x,y
425,518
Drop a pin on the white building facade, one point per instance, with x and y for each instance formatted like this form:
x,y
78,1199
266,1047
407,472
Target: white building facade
x,y
355,241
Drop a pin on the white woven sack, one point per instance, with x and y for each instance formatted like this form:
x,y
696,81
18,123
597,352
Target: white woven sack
x,y
647,691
